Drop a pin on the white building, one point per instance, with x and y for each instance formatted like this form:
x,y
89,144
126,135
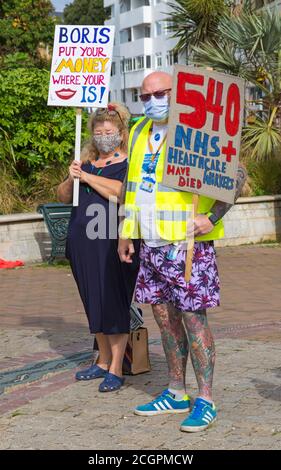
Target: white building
x,y
142,45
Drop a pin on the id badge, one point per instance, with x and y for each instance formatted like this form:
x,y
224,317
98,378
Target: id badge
x,y
147,184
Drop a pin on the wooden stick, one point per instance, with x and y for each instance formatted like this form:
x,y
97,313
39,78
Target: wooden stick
x,y
77,154
190,245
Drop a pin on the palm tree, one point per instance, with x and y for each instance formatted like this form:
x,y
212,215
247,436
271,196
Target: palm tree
x,y
236,40
249,46
193,22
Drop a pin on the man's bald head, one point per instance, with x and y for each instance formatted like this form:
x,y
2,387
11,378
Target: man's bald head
x,y
156,81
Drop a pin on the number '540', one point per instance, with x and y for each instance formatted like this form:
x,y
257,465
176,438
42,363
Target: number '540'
x,y
212,103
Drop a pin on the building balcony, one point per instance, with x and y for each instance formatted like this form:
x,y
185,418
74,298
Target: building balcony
x,y
130,80
142,46
134,17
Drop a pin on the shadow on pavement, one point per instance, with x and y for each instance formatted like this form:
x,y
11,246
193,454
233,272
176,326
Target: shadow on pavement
x,y
269,390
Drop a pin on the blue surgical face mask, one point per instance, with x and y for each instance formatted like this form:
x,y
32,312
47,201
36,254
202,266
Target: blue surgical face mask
x,y
157,109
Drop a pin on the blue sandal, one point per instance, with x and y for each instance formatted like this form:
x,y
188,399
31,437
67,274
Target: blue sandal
x,y
93,372
111,383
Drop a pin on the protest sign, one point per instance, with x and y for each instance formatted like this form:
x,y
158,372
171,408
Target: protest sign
x,y
80,73
81,65
204,132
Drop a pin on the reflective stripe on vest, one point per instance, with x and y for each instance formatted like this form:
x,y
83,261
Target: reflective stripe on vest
x,y
136,130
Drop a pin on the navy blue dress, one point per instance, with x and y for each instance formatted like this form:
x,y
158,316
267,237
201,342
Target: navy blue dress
x,y
105,284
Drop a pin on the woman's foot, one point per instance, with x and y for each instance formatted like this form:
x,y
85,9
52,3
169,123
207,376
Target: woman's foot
x,y
111,383
92,372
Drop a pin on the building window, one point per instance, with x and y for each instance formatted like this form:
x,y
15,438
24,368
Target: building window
x,y
125,35
147,31
135,95
158,28
139,62
128,65
135,63
125,5
158,60
123,96
171,58
113,69
141,3
167,27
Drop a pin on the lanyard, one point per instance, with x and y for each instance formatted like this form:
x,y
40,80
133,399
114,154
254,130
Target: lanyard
x,y
154,154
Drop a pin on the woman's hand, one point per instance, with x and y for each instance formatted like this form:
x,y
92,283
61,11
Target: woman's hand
x,y
75,169
76,172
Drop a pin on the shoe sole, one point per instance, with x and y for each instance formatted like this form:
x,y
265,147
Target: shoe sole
x,y
162,412
197,428
85,377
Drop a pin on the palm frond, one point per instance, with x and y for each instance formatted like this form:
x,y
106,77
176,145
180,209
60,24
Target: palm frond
x,y
195,21
261,140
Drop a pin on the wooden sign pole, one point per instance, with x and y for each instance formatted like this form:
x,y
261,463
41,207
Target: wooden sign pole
x,y
77,154
190,244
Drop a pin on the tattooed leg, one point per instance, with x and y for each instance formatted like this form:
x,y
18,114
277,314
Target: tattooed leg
x,y
202,350
174,342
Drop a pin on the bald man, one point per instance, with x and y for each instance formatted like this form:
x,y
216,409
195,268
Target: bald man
x,y
179,308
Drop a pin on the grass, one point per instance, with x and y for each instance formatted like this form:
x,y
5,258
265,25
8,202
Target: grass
x,y
60,263
268,243
25,193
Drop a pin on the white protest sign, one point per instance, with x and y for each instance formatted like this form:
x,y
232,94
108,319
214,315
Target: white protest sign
x,y
204,133
81,66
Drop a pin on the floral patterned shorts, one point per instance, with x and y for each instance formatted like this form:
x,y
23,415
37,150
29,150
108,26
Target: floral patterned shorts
x,y
161,281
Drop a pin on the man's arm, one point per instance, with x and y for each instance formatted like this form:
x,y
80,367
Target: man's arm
x,y
220,208
204,223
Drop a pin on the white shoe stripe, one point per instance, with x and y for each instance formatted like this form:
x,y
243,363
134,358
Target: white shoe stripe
x,y
162,405
157,407
168,404
209,414
207,418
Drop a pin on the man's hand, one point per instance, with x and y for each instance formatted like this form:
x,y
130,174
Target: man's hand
x,y
201,226
126,250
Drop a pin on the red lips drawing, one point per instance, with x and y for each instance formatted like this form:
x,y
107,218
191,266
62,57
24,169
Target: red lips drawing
x,y
65,93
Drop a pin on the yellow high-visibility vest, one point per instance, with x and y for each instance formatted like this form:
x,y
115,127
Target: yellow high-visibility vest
x,y
173,207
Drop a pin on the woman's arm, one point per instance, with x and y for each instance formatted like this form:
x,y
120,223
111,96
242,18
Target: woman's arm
x,y
104,186
65,191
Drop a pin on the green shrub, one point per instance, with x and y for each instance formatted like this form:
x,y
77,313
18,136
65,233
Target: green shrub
x,y
38,133
10,194
36,141
265,176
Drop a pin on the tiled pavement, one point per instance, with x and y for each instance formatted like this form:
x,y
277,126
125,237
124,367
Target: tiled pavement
x,y
44,338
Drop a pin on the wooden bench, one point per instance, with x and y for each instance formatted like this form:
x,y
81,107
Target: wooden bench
x,y
56,217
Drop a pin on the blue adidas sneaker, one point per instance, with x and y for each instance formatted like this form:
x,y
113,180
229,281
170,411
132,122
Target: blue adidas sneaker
x,y
164,403
202,416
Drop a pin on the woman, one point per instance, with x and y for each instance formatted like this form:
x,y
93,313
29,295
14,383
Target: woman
x,y
105,284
